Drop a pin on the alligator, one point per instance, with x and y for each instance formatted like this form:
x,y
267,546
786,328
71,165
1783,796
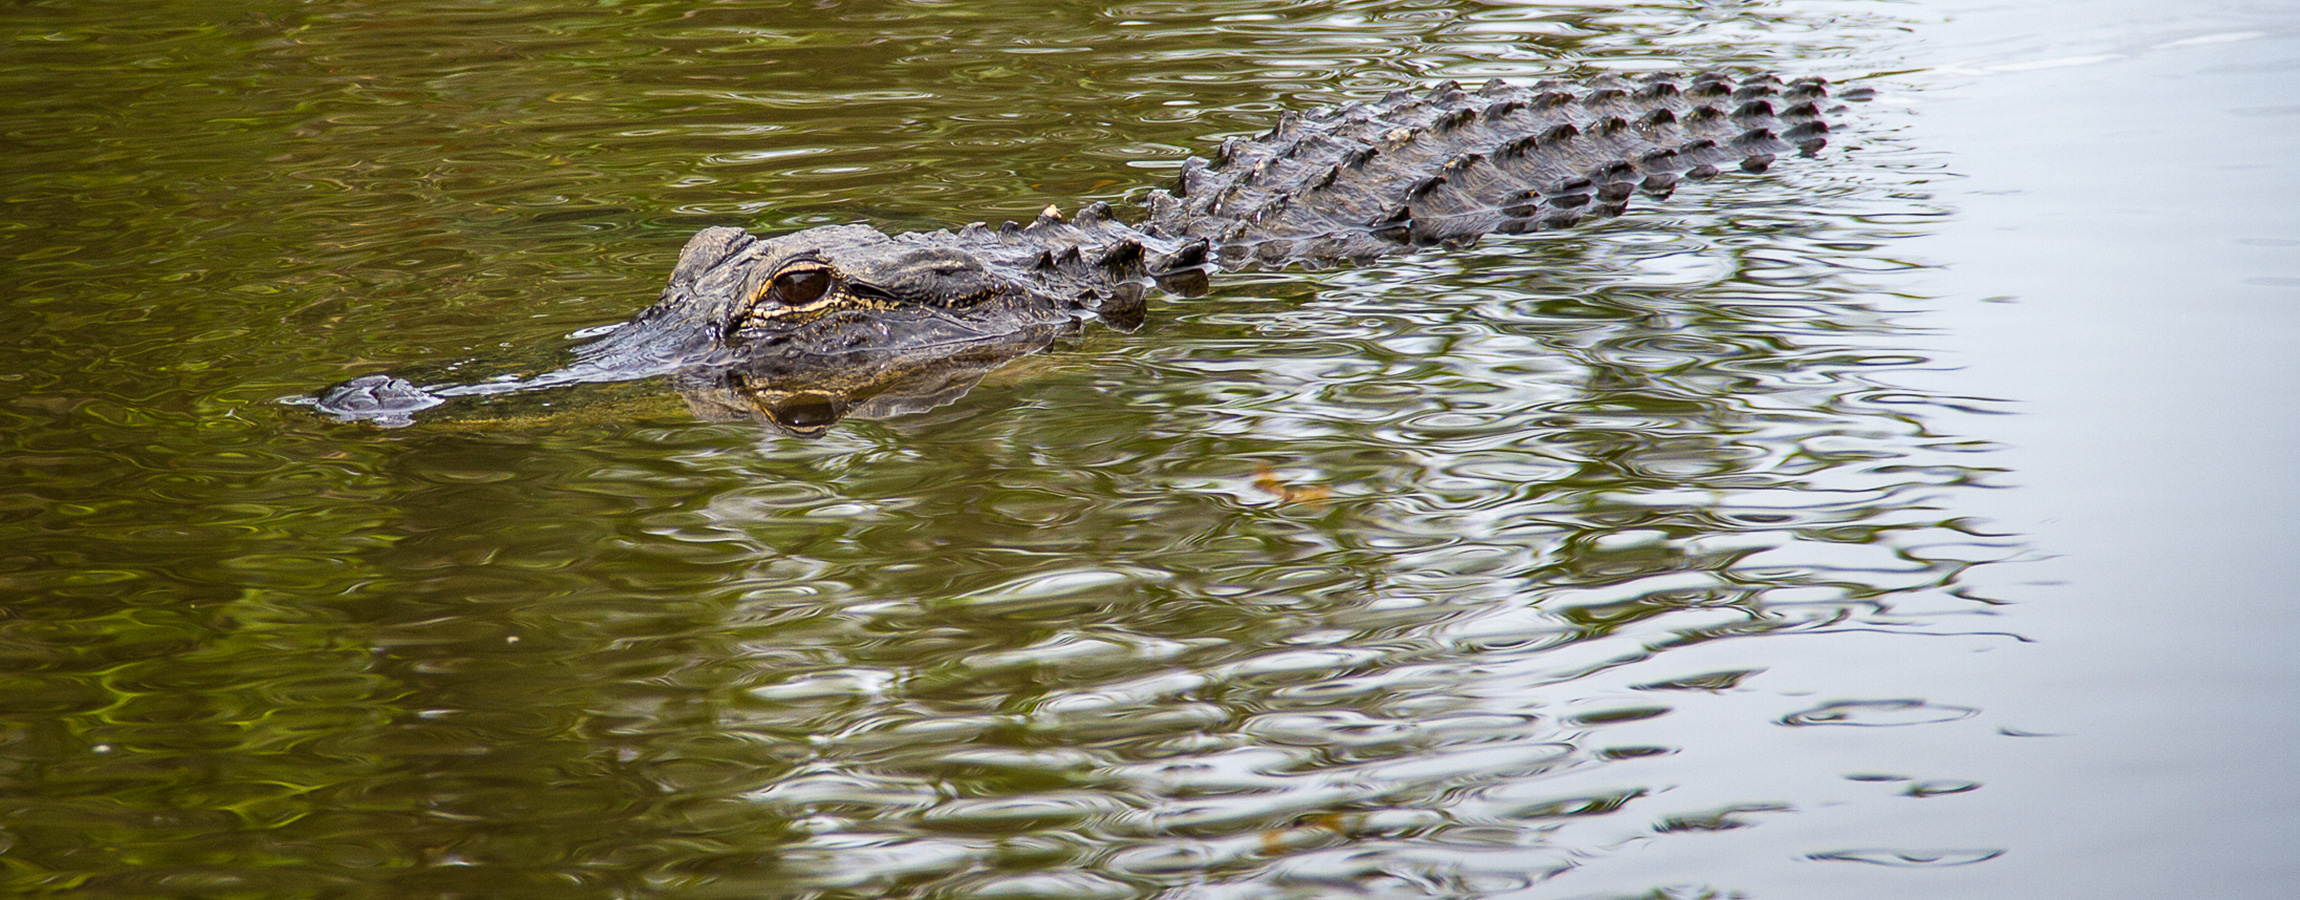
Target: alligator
x,y
802,329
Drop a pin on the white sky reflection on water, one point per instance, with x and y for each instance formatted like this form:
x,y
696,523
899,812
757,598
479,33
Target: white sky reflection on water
x,y
2112,278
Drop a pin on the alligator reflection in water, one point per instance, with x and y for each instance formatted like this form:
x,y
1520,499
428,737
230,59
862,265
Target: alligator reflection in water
x,y
810,326
803,396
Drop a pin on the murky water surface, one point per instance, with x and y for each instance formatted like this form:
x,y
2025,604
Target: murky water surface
x,y
1677,556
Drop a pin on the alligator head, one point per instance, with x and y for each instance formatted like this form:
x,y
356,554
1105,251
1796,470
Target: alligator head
x,y
823,291
804,314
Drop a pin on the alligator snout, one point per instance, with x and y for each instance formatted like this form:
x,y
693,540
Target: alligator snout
x,y
385,400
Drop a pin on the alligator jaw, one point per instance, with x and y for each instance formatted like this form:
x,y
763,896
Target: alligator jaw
x,y
385,400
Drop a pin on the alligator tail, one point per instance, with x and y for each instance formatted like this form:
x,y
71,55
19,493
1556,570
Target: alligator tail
x,y
1446,166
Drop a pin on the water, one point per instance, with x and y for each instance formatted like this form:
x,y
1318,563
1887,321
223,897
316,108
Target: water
x,y
1909,522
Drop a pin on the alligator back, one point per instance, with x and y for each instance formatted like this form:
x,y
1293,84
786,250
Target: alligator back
x,y
1353,182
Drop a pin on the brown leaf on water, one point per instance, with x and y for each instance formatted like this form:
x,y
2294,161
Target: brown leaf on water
x,y
1313,496
1316,830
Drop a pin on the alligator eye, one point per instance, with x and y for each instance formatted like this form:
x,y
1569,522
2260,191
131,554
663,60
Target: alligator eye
x,y
802,287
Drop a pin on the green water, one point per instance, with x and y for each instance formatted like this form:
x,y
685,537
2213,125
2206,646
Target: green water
x,y
1650,558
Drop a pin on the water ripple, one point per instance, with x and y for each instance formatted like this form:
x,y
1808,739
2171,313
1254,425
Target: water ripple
x,y
1433,578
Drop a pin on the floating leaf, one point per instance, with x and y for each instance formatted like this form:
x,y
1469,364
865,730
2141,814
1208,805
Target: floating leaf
x,y
1313,496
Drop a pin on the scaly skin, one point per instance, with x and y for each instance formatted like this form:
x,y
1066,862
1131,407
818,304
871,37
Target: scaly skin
x,y
829,318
